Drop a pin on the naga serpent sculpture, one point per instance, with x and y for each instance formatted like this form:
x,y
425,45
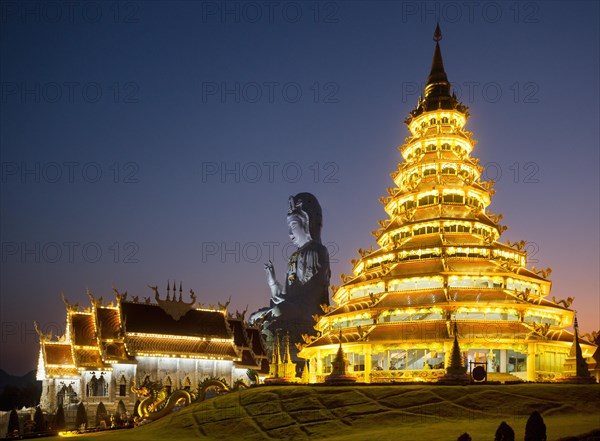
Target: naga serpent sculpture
x,y
157,404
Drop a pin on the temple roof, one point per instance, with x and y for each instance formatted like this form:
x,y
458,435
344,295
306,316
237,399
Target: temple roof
x,y
191,347
152,319
58,354
109,323
84,329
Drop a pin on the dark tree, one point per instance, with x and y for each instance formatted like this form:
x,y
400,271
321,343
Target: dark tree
x,y
59,418
13,424
464,437
101,415
535,429
38,419
81,417
120,414
504,433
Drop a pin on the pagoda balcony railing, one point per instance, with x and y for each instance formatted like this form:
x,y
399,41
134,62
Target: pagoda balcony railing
x,y
400,376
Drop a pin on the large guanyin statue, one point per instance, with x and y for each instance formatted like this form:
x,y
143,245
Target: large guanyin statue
x,y
306,286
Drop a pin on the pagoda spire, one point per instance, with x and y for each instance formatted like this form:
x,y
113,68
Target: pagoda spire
x,y
581,368
286,354
456,365
438,85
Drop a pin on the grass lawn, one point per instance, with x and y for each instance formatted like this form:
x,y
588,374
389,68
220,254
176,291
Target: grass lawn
x,y
375,412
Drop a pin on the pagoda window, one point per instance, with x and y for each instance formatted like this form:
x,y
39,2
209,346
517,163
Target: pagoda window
x,y
517,362
448,170
430,148
453,198
446,146
429,171
453,121
428,200
456,228
474,202
357,361
327,367
432,122
435,359
187,383
404,234
407,206
481,231
415,359
444,120
430,229
168,385
397,360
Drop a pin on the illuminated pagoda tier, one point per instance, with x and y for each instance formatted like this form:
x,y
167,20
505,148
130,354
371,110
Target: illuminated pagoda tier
x,y
439,259
108,347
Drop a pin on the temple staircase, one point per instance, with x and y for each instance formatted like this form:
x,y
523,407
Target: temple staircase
x,y
503,377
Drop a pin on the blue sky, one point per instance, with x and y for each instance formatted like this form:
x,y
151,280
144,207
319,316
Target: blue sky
x,y
143,142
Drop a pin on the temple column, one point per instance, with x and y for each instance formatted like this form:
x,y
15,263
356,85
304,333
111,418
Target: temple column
x,y
368,362
447,353
531,362
503,360
319,364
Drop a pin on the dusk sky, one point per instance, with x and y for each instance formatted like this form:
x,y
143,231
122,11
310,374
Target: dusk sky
x,y
146,142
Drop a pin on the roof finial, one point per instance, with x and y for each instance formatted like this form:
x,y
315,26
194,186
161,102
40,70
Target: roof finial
x,y
437,35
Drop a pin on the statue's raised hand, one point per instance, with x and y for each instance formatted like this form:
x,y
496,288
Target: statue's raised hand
x,y
270,270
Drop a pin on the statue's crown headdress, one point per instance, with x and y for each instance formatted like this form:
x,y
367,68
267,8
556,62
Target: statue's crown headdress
x,y
295,206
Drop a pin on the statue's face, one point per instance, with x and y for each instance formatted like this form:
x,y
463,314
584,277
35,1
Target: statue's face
x,y
297,231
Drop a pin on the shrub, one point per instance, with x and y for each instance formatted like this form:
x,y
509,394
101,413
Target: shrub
x,y
81,417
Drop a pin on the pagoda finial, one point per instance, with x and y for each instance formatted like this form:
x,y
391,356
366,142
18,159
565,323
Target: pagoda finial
x,y
438,85
286,354
277,349
437,35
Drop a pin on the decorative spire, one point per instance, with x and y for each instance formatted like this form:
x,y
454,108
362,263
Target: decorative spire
x,y
456,365
438,85
437,35
169,289
581,367
286,355
180,292
277,349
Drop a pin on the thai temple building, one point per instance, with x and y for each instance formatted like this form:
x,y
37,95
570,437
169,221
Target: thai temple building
x,y
439,261
107,348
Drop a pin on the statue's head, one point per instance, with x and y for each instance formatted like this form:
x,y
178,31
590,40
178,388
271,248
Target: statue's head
x,y
305,210
298,227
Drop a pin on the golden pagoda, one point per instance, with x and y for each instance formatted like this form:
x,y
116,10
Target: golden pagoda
x,y
440,261
281,371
